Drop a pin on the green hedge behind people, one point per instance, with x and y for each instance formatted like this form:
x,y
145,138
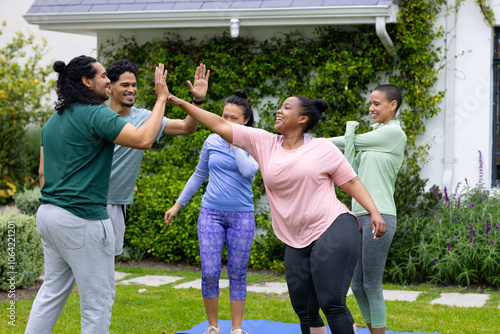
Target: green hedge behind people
x,y
380,156
127,160
75,163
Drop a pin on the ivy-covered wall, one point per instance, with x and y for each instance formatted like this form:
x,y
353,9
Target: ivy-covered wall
x,y
339,65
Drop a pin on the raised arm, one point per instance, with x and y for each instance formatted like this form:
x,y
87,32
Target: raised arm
x,y
199,90
144,136
212,121
357,190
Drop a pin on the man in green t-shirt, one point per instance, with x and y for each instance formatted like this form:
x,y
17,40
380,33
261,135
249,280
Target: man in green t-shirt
x,y
75,163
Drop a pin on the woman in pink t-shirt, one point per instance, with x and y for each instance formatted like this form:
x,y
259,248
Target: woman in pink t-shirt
x,y
321,235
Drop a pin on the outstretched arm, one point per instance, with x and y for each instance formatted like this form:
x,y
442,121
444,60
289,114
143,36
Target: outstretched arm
x,y
357,190
212,121
199,90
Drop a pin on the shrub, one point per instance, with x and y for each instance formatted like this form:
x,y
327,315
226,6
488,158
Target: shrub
x,y
27,201
24,99
267,250
457,241
7,190
22,260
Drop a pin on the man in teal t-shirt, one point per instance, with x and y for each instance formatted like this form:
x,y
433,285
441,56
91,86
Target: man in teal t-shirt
x,y
72,221
126,160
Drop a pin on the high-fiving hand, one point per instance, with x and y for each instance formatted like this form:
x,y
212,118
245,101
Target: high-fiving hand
x,y
200,87
161,82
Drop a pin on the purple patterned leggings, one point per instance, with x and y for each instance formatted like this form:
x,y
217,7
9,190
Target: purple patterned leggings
x,y
237,229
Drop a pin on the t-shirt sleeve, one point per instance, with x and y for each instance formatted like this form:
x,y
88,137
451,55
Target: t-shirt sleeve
x,y
342,170
255,141
107,124
161,136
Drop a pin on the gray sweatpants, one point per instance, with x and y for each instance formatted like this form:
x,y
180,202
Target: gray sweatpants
x,y
74,249
367,280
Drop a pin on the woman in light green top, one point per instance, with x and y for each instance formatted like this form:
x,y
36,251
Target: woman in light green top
x,y
380,156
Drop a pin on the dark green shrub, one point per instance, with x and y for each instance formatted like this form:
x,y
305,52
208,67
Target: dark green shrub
x,y
22,260
27,201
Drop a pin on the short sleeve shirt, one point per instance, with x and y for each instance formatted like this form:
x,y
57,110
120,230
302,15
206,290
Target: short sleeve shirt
x,y
78,151
127,161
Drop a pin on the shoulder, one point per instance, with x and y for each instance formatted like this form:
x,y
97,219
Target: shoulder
x,y
140,112
395,128
323,142
99,111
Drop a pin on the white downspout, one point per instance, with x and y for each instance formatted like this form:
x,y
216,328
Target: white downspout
x,y
381,30
449,100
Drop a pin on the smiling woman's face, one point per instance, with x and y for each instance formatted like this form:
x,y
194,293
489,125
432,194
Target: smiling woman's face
x,y
289,116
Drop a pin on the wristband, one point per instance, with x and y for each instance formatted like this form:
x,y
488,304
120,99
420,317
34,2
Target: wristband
x,y
197,102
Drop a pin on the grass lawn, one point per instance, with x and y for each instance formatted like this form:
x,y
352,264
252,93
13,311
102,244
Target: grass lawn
x,y
164,309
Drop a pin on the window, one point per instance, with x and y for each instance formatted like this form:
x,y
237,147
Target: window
x,y
495,175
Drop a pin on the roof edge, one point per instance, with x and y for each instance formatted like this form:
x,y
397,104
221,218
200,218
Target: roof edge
x,y
95,21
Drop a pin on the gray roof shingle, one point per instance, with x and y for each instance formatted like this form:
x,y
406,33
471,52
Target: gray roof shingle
x,y
87,6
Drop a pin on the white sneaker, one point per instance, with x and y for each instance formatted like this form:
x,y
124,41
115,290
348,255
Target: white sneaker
x,y
238,331
212,330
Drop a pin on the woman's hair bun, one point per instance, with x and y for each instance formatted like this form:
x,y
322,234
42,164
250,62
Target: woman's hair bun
x,y
321,104
59,66
241,93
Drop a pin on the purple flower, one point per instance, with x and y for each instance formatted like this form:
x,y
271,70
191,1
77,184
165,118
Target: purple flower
x,y
496,227
426,200
434,260
421,244
439,216
410,257
436,194
458,203
472,205
446,236
456,189
455,238
488,227
466,182
492,242
448,244
454,220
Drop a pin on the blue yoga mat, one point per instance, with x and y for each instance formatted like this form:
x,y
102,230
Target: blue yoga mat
x,y
267,327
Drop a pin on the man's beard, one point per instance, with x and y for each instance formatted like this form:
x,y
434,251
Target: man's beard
x,y
128,105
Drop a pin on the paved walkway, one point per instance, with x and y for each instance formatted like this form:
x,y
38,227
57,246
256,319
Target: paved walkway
x,y
450,299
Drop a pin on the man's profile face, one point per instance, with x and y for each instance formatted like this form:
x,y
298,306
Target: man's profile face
x,y
100,82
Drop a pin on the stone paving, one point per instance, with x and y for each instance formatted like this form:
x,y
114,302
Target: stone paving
x,y
450,299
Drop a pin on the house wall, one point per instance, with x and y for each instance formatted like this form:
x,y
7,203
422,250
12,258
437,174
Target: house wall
x,y
470,100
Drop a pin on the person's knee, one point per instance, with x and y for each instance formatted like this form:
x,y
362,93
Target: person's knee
x,y
372,289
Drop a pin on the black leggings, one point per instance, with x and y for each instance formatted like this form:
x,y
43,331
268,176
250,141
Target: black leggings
x,y
319,275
